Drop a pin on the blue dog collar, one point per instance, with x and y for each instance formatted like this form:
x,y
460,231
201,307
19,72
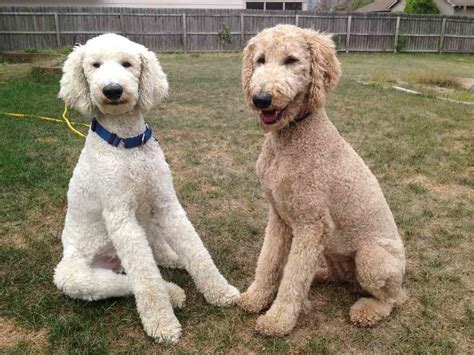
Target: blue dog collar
x,y
115,140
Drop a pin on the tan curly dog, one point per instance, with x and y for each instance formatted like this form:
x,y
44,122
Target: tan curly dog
x,y
324,201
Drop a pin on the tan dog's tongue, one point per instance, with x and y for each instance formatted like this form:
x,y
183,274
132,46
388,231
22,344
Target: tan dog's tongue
x,y
268,116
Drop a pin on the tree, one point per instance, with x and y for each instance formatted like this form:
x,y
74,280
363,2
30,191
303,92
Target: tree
x,y
421,7
356,4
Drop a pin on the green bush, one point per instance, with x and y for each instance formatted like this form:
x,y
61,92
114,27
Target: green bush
x,y
401,43
225,35
65,50
421,7
357,4
337,41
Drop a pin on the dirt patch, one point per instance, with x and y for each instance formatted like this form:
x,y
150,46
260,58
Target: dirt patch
x,y
459,140
11,334
15,239
467,83
19,57
448,192
47,69
462,133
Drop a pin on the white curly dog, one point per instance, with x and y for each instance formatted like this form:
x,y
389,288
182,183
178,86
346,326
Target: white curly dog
x,y
122,208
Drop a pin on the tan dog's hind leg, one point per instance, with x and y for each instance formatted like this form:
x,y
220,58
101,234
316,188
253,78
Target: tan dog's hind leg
x,y
297,277
380,274
269,267
338,269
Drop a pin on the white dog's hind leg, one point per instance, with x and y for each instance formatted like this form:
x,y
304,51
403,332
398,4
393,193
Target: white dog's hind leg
x,y
77,279
151,294
164,255
182,237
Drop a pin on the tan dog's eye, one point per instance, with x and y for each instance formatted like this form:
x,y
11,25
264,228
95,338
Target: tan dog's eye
x,y
261,60
126,64
96,65
290,60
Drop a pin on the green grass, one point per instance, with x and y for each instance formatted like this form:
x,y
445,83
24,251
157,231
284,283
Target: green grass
x,y
427,76
420,148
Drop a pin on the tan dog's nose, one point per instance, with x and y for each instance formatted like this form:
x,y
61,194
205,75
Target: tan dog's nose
x,y
262,100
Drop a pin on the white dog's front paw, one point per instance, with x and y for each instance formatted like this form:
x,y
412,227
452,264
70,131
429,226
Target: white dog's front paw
x,y
224,296
177,295
163,329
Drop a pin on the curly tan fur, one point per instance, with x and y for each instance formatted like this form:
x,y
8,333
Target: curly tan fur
x,y
324,201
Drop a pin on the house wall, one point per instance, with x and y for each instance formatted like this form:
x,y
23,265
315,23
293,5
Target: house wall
x,y
304,3
460,12
399,7
196,4
444,7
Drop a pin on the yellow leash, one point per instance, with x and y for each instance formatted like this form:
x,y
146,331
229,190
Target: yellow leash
x,y
64,120
70,126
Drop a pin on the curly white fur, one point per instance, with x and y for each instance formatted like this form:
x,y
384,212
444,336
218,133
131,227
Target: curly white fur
x,y
122,207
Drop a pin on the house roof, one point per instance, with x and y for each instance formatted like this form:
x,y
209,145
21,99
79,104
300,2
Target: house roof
x,y
468,3
383,6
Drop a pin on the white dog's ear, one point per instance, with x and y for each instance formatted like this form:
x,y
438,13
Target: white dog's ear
x,y
74,88
153,86
325,67
248,67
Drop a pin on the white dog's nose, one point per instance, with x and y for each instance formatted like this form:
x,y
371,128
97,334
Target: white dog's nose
x,y
112,91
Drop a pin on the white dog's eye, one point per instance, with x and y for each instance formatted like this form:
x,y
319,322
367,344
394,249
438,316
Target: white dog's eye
x,y
126,64
96,65
261,60
290,60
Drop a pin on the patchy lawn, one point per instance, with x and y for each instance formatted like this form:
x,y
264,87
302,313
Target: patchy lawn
x,y
420,148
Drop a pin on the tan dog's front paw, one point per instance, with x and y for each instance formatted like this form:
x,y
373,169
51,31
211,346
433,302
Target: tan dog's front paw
x,y
253,301
366,312
276,322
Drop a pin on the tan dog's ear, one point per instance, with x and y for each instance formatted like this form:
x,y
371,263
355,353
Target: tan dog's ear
x,y
248,68
153,85
325,67
74,87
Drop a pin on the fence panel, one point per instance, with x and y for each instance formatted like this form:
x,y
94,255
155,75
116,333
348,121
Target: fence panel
x,y
421,34
372,34
257,23
27,31
335,25
459,36
203,32
176,30
158,32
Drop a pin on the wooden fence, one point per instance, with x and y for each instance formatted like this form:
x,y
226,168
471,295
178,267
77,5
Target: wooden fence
x,y
175,30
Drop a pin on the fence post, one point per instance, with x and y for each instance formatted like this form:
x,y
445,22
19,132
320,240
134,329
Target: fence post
x,y
122,23
242,31
184,34
441,36
397,31
58,33
297,18
348,35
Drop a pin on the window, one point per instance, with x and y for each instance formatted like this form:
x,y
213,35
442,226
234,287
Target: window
x,y
274,5
255,5
293,6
